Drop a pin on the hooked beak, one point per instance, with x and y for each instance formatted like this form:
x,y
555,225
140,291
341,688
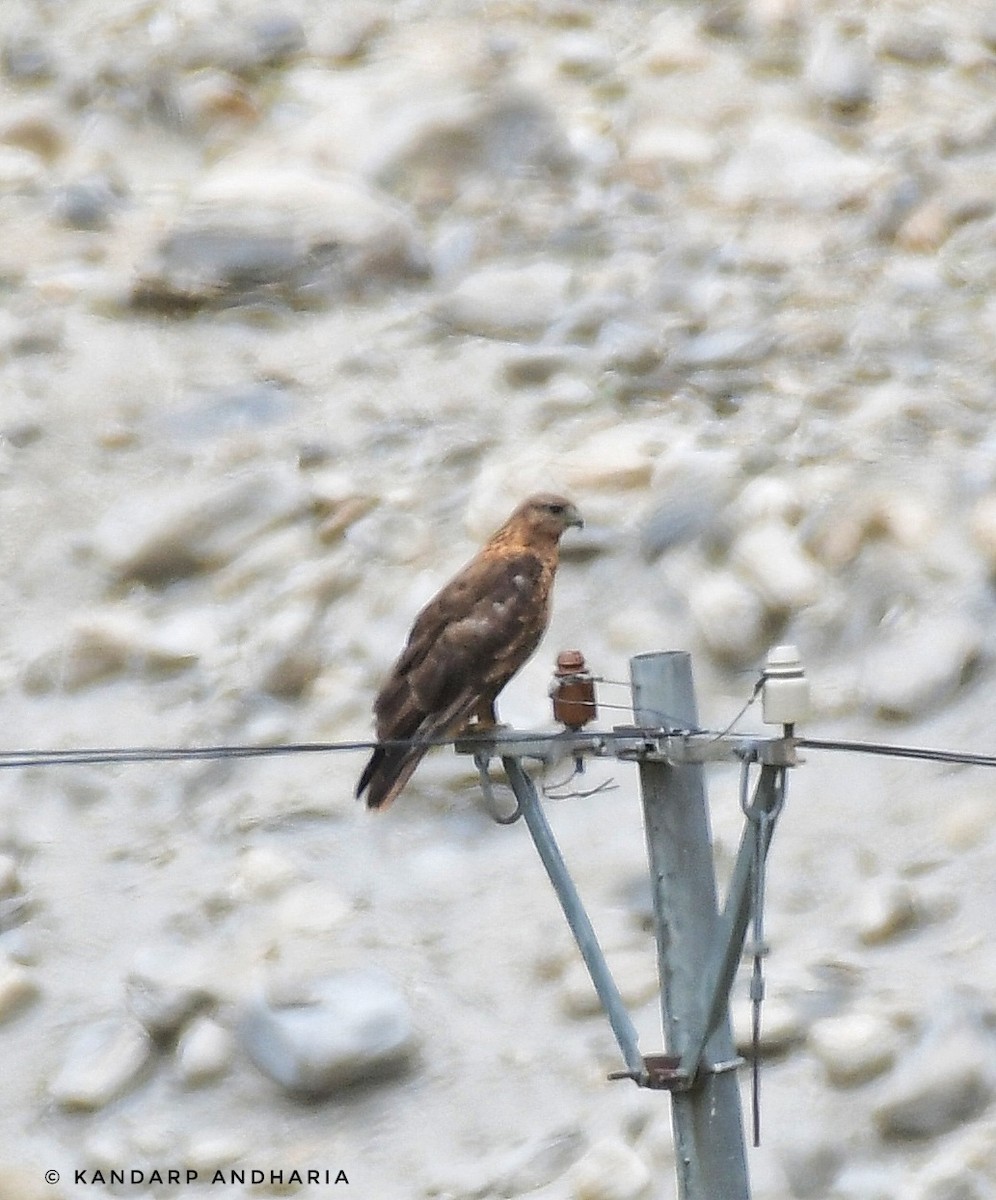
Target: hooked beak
x,y
573,517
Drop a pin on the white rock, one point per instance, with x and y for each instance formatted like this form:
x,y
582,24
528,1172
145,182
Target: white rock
x,y
769,557
947,1079
584,55
156,538
253,224
17,987
635,973
508,303
729,617
203,1052
884,909
853,1048
20,169
983,526
783,162
781,1025
920,664
347,1027
164,988
840,69
262,873
311,909
610,1170
613,459
103,1061
10,882
206,1152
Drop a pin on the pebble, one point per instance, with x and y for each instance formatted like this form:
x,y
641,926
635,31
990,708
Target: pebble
x,y
840,70
811,1164
156,539
772,560
946,1079
10,879
432,144
515,1172
20,170
635,973
309,240
914,43
204,1051
114,641
854,1048
782,1026
163,989
919,664
615,459
290,654
347,1027
884,909
721,348
87,203
102,1062
610,1170
311,909
781,162
262,874
729,618
508,303
18,987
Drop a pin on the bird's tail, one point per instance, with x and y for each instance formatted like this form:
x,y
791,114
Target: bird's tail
x,y
387,772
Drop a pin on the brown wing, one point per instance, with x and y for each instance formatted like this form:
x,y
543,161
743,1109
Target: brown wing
x,y
465,645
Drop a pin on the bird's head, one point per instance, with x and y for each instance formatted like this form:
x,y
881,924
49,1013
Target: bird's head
x,y
548,515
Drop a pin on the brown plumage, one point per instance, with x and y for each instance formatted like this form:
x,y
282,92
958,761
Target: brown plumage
x,y
467,643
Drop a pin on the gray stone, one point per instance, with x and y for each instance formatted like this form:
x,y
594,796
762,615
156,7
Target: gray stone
x,y
948,1077
339,1030
103,1061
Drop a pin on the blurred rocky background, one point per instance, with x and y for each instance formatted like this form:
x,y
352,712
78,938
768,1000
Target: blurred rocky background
x,y
296,301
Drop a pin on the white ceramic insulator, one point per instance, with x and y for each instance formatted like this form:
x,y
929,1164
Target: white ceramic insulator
x,y
785,694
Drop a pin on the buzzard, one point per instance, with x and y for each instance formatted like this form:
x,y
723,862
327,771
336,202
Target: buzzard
x,y
467,643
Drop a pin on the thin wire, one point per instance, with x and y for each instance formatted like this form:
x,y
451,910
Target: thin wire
x,y
142,754
884,749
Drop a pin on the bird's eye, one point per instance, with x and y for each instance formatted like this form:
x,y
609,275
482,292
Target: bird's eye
x,y
558,509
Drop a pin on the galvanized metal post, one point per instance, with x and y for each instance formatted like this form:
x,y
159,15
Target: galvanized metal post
x,y
577,918
707,1118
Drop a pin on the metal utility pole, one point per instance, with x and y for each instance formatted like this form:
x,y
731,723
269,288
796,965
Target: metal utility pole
x,y
707,1117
